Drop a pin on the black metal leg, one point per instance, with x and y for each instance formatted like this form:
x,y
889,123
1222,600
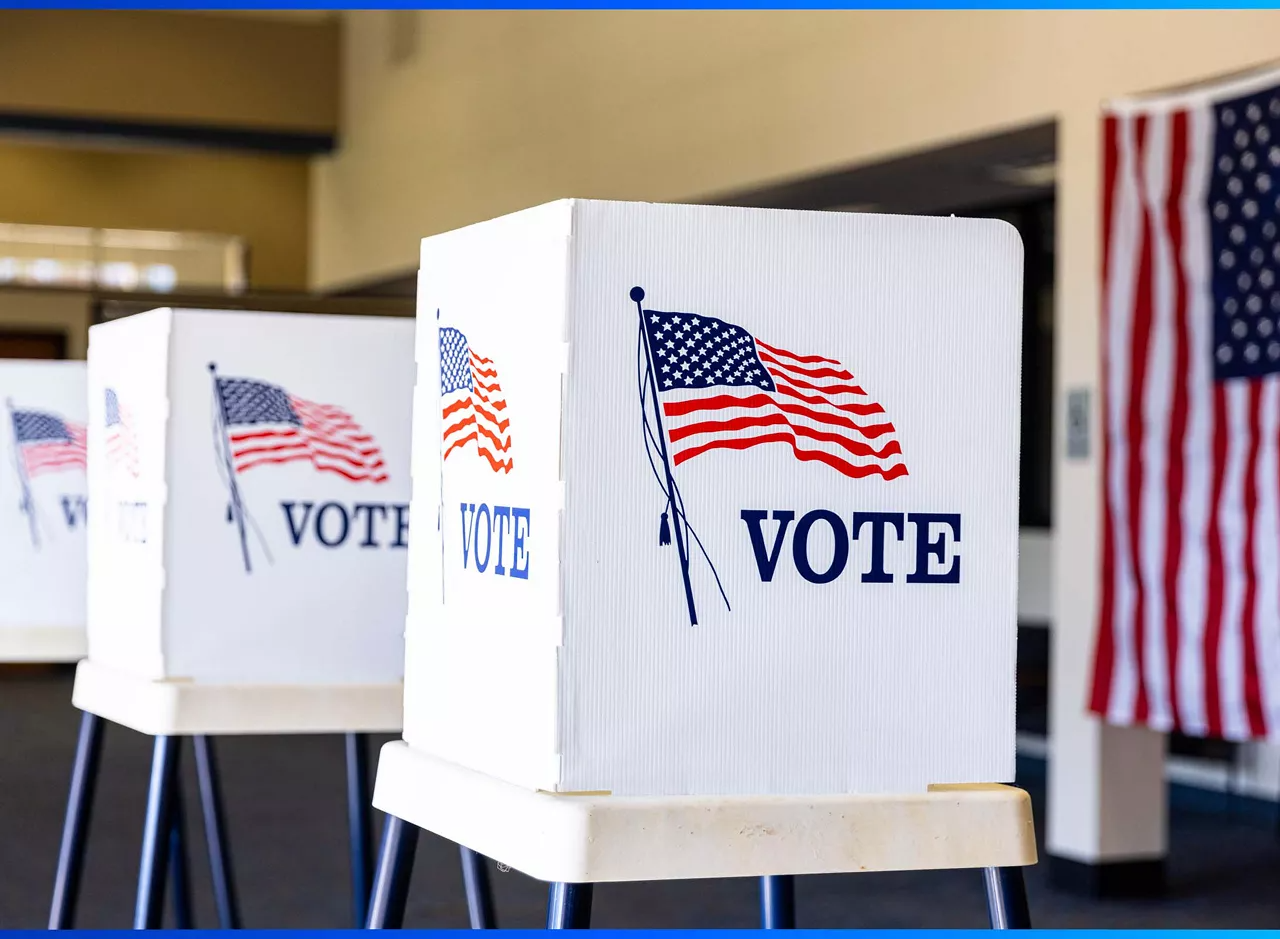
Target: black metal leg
x,y
569,906
215,835
84,778
151,870
391,881
475,877
179,869
358,821
1006,898
778,901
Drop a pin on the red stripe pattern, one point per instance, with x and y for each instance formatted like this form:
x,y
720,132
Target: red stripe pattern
x,y
1189,618
267,426
122,443
473,406
40,458
722,388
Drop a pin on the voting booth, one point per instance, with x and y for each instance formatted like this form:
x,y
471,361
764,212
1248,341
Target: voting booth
x,y
249,524
727,509
42,512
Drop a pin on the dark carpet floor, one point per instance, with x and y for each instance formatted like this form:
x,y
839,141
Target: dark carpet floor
x,y
285,799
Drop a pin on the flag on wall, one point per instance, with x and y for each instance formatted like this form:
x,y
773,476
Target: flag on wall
x,y
1189,618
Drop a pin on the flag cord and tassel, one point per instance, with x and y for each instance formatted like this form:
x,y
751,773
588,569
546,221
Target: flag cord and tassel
x,y
664,534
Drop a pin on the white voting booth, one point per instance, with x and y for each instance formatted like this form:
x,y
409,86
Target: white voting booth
x,y
249,522
42,512
249,525
727,553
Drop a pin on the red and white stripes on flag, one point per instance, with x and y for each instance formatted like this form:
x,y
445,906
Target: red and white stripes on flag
x,y
51,456
1189,615
328,437
473,405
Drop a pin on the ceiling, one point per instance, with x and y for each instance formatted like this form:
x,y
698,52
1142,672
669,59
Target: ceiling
x,y
1001,169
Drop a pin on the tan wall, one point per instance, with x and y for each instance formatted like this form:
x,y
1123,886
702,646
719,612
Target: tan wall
x,y
168,67
502,110
260,198
67,313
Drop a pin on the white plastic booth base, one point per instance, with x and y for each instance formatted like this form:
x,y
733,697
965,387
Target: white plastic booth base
x,y
171,710
573,841
177,708
45,645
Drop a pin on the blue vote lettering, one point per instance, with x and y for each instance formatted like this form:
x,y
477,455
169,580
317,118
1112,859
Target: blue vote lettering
x,y
333,524
484,539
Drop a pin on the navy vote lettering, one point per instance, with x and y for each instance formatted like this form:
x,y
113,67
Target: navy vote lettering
x,y
75,511
494,538
334,524
937,539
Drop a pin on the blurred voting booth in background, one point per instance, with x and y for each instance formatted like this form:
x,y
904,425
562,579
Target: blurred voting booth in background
x,y
42,511
249,525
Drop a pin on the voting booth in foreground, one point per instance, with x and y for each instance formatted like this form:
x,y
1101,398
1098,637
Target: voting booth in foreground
x,y
249,524
42,511
727,555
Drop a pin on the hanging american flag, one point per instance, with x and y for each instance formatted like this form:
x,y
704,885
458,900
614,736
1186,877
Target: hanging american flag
x,y
472,402
122,445
1189,624
723,388
266,425
47,443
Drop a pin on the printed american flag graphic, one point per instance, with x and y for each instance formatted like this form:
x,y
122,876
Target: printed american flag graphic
x,y
473,406
122,444
1189,620
722,388
266,425
47,443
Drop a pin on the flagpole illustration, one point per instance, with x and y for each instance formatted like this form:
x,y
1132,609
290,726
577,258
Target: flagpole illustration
x,y
224,446
27,504
673,510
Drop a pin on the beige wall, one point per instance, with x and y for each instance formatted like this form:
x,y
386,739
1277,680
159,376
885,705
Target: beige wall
x,y
258,197
502,110
261,72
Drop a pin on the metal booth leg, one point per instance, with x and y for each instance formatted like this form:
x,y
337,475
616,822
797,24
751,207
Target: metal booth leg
x,y
84,778
358,821
155,833
179,868
778,901
391,880
215,835
475,877
1007,898
569,906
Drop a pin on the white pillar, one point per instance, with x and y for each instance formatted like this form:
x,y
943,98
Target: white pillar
x,y
1107,828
